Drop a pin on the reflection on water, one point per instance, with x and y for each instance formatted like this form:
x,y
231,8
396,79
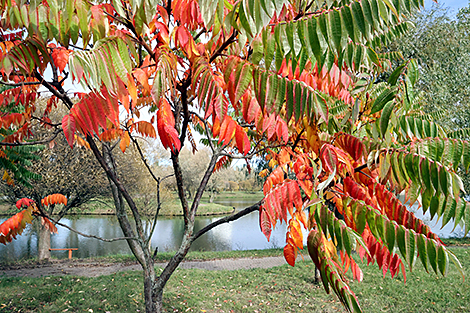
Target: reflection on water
x,y
243,234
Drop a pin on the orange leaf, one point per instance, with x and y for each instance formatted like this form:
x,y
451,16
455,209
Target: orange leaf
x,y
290,254
243,142
55,198
144,128
132,89
143,79
125,141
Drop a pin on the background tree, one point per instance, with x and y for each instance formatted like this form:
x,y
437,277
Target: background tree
x,y
294,80
440,43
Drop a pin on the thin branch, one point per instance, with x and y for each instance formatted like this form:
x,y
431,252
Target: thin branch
x,y
102,202
159,206
249,156
183,88
142,157
78,48
206,128
224,46
42,213
45,122
32,143
226,219
20,84
199,34
297,140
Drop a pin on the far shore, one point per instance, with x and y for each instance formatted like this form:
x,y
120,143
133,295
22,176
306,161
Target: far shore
x,y
170,208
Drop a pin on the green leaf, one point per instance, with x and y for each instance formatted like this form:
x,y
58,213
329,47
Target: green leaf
x,y
392,80
243,78
432,254
422,251
348,22
386,96
336,31
444,180
346,240
442,260
410,244
390,235
434,175
359,18
385,117
449,211
338,235
437,204
360,218
401,240
314,42
467,218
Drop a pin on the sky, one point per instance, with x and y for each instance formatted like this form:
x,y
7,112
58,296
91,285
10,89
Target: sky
x,y
454,5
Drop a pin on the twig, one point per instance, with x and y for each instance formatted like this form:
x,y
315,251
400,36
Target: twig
x,y
142,157
42,213
206,129
226,219
32,143
227,43
20,84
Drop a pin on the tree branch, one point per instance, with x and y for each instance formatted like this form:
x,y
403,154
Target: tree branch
x,y
226,219
224,46
32,143
43,214
20,84
203,184
206,128
142,157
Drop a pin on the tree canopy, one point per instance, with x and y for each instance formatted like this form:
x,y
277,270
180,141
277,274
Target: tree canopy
x,y
294,80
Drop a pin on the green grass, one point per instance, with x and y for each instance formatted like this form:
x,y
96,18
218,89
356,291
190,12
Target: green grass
x,y
162,257
279,289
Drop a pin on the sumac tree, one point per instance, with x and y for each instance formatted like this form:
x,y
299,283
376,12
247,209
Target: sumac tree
x,y
294,80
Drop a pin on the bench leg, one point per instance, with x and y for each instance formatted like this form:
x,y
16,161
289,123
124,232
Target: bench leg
x,y
70,254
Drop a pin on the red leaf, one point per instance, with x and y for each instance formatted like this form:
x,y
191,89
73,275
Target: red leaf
x,y
243,142
166,127
265,223
60,56
290,254
23,202
227,130
329,157
48,225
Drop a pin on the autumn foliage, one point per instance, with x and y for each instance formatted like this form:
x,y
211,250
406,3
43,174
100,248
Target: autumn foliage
x,y
298,83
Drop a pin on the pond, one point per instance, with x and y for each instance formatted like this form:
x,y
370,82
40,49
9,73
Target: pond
x,y
243,234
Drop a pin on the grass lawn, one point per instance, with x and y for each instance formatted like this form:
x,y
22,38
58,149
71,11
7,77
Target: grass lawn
x,y
279,289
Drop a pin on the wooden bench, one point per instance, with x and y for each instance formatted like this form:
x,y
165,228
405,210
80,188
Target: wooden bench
x,y
70,251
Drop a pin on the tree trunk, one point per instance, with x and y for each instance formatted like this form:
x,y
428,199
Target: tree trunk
x,y
44,243
140,251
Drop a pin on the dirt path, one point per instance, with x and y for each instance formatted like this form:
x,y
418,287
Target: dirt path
x,y
94,269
